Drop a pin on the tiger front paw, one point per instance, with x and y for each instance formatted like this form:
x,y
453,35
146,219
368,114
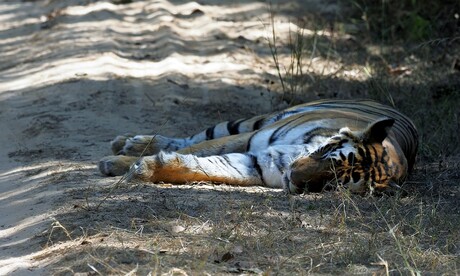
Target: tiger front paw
x,y
119,143
141,170
140,145
116,165
146,145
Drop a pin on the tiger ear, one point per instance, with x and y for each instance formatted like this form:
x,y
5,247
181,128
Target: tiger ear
x,y
377,131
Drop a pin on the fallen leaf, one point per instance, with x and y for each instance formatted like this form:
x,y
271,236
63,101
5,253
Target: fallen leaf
x,y
178,229
227,257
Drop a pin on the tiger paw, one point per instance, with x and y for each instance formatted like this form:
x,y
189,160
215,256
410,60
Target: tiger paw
x,y
135,145
141,170
116,165
146,145
140,145
119,142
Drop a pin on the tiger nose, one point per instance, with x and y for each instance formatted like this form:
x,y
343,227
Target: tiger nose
x,y
310,173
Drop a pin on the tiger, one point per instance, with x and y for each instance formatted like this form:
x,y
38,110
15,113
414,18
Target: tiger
x,y
361,145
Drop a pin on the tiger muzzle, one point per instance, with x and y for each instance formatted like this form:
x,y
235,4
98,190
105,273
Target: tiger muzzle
x,y
310,174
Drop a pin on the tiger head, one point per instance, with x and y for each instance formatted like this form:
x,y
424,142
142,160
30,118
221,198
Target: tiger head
x,y
360,160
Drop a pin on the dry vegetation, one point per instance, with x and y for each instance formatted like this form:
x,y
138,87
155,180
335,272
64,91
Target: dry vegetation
x,y
200,228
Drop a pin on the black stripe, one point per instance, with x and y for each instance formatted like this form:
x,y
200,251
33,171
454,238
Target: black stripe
x,y
385,159
278,157
309,134
365,163
318,131
380,173
368,157
348,135
372,172
274,135
210,133
285,114
258,124
248,146
230,164
342,156
376,155
281,130
223,164
307,141
366,176
257,167
211,161
282,163
356,176
321,152
351,159
232,127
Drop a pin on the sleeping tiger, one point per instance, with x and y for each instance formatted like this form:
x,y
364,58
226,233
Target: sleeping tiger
x,y
358,144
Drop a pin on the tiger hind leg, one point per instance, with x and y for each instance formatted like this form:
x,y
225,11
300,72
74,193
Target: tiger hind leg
x,y
135,145
146,145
